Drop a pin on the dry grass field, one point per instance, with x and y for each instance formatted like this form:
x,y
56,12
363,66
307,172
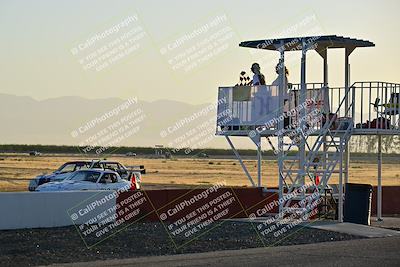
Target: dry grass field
x,y
16,170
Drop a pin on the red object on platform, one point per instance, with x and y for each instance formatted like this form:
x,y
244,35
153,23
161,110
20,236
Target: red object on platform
x,y
133,182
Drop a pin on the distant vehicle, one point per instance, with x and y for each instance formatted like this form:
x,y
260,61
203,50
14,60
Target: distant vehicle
x,y
34,153
90,180
131,154
202,155
70,167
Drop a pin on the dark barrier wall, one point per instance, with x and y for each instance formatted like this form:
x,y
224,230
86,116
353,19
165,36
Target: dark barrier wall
x,y
390,200
173,204
236,202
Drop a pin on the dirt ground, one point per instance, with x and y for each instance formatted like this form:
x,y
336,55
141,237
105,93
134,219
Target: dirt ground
x,y
16,170
32,247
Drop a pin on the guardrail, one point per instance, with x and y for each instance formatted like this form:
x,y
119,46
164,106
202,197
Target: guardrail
x,y
44,209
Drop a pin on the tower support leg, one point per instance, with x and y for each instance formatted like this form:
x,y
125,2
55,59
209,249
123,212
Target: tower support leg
x,y
340,204
347,163
379,198
259,162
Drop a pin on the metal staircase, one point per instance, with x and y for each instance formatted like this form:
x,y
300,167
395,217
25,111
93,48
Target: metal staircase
x,y
305,175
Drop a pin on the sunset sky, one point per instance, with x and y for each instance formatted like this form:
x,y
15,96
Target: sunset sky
x,y
37,38
170,55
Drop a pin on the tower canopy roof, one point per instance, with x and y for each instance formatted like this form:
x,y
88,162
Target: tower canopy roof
x,y
316,42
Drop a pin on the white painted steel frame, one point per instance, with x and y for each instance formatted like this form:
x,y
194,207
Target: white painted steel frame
x,y
344,158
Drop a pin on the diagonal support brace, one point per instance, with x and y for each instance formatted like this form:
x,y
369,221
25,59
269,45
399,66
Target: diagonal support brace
x,y
240,161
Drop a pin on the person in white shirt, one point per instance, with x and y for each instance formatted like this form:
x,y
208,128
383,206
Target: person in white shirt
x,y
277,82
286,85
258,77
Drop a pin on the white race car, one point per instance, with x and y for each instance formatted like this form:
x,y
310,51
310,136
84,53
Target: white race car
x,y
90,180
70,167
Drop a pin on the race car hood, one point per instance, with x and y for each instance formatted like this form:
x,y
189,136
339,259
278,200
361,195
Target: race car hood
x,y
46,178
53,176
61,186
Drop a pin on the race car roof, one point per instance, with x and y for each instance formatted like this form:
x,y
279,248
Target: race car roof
x,y
91,161
98,170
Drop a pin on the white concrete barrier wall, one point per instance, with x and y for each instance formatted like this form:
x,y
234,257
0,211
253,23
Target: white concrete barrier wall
x,y
46,209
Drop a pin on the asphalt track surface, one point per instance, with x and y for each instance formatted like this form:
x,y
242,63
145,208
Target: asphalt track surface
x,y
361,252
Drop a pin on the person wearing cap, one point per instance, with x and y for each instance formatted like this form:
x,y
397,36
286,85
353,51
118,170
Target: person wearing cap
x,y
258,77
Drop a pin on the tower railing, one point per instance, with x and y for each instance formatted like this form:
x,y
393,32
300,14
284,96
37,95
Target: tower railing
x,y
246,108
376,107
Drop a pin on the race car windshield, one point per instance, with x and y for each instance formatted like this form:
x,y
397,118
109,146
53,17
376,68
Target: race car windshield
x,y
71,167
85,176
66,168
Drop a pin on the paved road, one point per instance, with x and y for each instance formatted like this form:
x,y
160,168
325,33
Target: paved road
x,y
362,252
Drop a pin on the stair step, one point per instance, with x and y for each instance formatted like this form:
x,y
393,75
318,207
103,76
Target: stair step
x,y
299,185
329,142
299,197
289,144
319,164
322,172
291,158
271,190
311,171
294,210
327,153
334,145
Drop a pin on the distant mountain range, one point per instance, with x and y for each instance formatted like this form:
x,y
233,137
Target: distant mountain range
x,y
25,120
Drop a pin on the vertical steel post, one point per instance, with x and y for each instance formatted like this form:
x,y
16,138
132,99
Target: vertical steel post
x,y
325,93
281,124
346,89
325,57
379,204
303,93
259,161
353,103
346,81
347,163
323,52
348,51
340,208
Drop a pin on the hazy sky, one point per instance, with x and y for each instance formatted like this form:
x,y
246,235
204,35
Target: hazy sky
x,y
38,38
